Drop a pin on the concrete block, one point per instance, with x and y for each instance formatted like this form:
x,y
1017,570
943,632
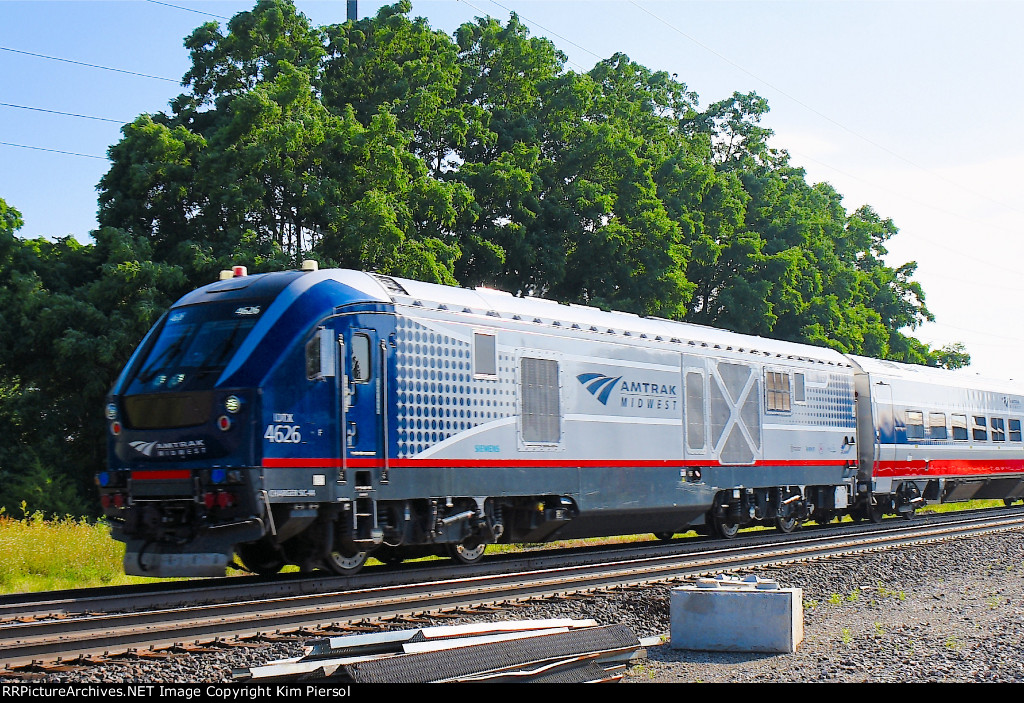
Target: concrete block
x,y
734,615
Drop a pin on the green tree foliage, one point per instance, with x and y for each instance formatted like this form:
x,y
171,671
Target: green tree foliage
x,y
255,162
71,315
476,158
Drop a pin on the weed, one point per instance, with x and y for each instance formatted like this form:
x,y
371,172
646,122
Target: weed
x,y
641,670
879,629
46,555
853,596
993,601
811,604
953,644
835,599
847,635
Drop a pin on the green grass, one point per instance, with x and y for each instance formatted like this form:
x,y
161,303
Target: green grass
x,y
40,554
47,555
966,505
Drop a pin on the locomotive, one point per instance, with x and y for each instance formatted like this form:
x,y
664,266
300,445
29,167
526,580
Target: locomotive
x,y
317,417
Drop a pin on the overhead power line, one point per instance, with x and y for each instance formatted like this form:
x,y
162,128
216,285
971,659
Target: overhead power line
x,y
529,21
55,151
188,9
67,114
90,65
549,31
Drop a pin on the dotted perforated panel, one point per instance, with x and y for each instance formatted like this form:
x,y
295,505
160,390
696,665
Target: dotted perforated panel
x,y
436,393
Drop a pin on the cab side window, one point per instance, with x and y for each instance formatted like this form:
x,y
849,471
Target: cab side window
x,y
361,366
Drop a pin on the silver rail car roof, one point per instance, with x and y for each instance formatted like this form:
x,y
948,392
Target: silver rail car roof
x,y
497,304
962,378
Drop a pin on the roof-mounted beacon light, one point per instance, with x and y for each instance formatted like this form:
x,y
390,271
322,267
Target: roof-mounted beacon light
x,y
227,275
310,265
239,271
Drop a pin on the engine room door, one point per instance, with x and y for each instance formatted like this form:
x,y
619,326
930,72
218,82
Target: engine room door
x,y
362,398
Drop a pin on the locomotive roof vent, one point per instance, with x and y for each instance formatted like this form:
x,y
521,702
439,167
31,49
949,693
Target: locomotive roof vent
x,y
309,265
391,285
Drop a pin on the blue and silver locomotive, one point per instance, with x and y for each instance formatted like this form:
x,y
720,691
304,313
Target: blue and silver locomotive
x,y
317,417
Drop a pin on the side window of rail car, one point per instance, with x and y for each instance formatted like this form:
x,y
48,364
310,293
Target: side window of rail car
x,y
485,356
915,424
320,356
695,410
361,364
937,426
1015,435
799,388
998,429
313,361
959,427
777,393
980,428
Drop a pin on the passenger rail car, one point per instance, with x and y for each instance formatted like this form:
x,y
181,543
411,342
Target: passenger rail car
x,y
316,417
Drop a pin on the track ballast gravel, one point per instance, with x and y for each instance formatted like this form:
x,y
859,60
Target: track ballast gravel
x,y
944,612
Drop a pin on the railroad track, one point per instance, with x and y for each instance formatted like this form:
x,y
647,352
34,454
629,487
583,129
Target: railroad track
x,y
203,615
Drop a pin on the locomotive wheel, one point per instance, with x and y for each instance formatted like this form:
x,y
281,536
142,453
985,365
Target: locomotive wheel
x,y
786,525
723,528
665,536
346,562
468,551
260,558
876,513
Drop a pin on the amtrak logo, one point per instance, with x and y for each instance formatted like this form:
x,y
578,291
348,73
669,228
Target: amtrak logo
x,y
187,448
599,385
144,448
637,396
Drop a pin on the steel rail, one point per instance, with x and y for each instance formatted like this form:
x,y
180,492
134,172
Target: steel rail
x,y
168,595
72,637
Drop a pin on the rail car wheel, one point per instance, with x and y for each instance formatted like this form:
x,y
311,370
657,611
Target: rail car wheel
x,y
723,528
786,525
665,536
260,558
468,551
876,513
346,562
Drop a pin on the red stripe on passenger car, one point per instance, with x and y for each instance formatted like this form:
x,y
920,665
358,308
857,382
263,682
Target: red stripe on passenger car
x,y
948,467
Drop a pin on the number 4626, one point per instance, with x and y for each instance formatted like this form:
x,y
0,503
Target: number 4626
x,y
283,434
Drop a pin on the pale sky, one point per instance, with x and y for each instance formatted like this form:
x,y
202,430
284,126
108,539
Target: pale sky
x,y
911,107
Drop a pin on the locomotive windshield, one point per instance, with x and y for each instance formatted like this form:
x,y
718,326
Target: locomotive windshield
x,y
194,346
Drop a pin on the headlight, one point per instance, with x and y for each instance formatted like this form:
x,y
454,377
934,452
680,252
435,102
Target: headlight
x,y
233,404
